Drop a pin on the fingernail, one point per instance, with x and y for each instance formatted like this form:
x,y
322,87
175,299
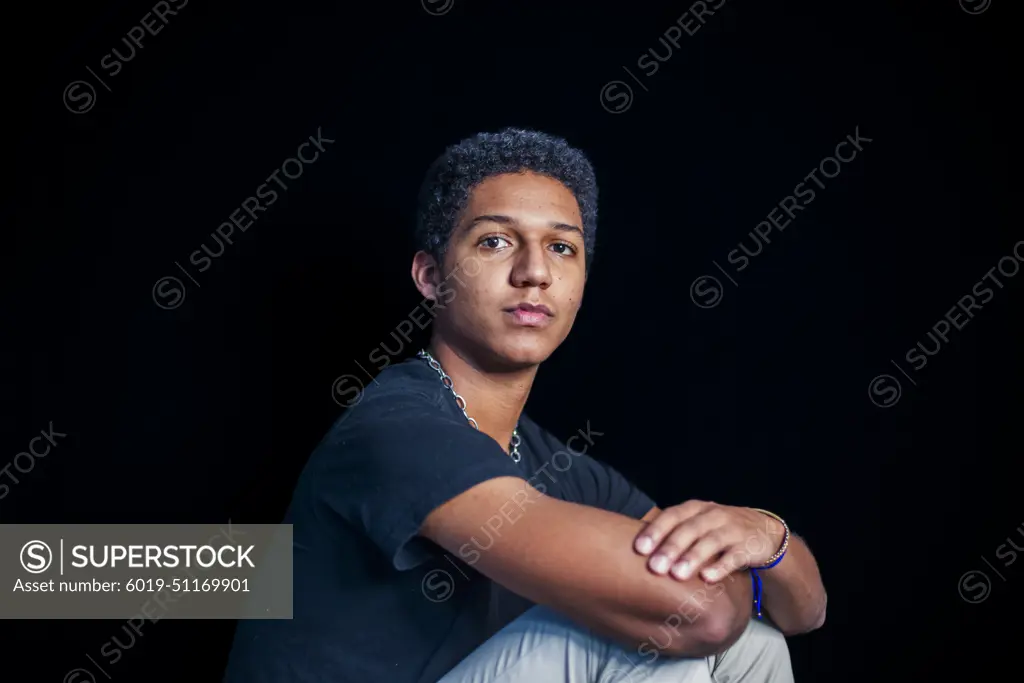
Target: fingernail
x,y
659,563
644,544
681,570
711,574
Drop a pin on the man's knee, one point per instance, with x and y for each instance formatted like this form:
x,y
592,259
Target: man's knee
x,y
767,641
763,649
767,634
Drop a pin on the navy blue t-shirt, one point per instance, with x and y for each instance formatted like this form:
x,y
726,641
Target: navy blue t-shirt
x,y
373,601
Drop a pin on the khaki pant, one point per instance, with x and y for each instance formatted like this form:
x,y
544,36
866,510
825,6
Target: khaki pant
x,y
542,646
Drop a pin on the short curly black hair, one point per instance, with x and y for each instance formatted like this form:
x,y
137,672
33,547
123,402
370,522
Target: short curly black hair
x,y
450,179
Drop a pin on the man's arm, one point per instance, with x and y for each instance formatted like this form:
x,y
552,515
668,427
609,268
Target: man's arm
x,y
793,596
793,593
579,561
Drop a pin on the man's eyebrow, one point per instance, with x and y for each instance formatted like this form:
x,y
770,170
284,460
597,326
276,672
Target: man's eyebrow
x,y
489,218
508,220
568,228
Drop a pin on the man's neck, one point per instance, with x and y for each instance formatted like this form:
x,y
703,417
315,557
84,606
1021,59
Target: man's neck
x,y
494,400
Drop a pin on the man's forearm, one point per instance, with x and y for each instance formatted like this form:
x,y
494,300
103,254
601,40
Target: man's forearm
x,y
794,595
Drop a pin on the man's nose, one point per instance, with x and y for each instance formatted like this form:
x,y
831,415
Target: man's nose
x,y
531,269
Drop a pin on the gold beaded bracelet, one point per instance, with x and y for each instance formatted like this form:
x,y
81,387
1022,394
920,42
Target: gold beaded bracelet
x,y
777,557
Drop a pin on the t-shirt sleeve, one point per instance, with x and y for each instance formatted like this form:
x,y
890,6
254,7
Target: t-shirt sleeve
x,y
390,462
602,486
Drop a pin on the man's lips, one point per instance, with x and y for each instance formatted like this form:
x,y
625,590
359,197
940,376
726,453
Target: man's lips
x,y
531,308
531,315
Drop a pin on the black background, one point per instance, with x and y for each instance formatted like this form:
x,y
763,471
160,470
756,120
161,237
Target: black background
x,y
207,411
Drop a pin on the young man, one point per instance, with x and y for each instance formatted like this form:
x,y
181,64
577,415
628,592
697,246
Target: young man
x,y
442,535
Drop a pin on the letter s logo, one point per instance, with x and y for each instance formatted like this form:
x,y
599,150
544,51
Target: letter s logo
x,y
36,557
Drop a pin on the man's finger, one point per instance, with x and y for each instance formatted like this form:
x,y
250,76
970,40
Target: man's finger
x,y
704,551
651,536
681,538
722,567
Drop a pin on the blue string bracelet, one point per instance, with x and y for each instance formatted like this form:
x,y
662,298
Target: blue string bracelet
x,y
757,586
756,579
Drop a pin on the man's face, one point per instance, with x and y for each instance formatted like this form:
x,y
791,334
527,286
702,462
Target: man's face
x,y
513,275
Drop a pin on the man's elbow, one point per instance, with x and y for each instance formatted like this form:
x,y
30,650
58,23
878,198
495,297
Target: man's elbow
x,y
713,632
812,622
727,627
819,619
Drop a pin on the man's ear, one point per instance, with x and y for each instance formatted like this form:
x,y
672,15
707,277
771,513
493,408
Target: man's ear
x,y
426,275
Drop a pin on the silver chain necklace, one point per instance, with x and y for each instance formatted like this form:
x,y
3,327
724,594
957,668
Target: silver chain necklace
x,y
513,446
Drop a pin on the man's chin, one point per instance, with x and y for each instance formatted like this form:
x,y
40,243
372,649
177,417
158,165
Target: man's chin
x,y
524,353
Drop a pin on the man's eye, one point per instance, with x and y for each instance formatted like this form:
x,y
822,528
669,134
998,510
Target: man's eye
x,y
493,242
565,248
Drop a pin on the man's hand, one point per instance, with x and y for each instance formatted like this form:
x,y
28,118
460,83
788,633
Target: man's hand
x,y
714,540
